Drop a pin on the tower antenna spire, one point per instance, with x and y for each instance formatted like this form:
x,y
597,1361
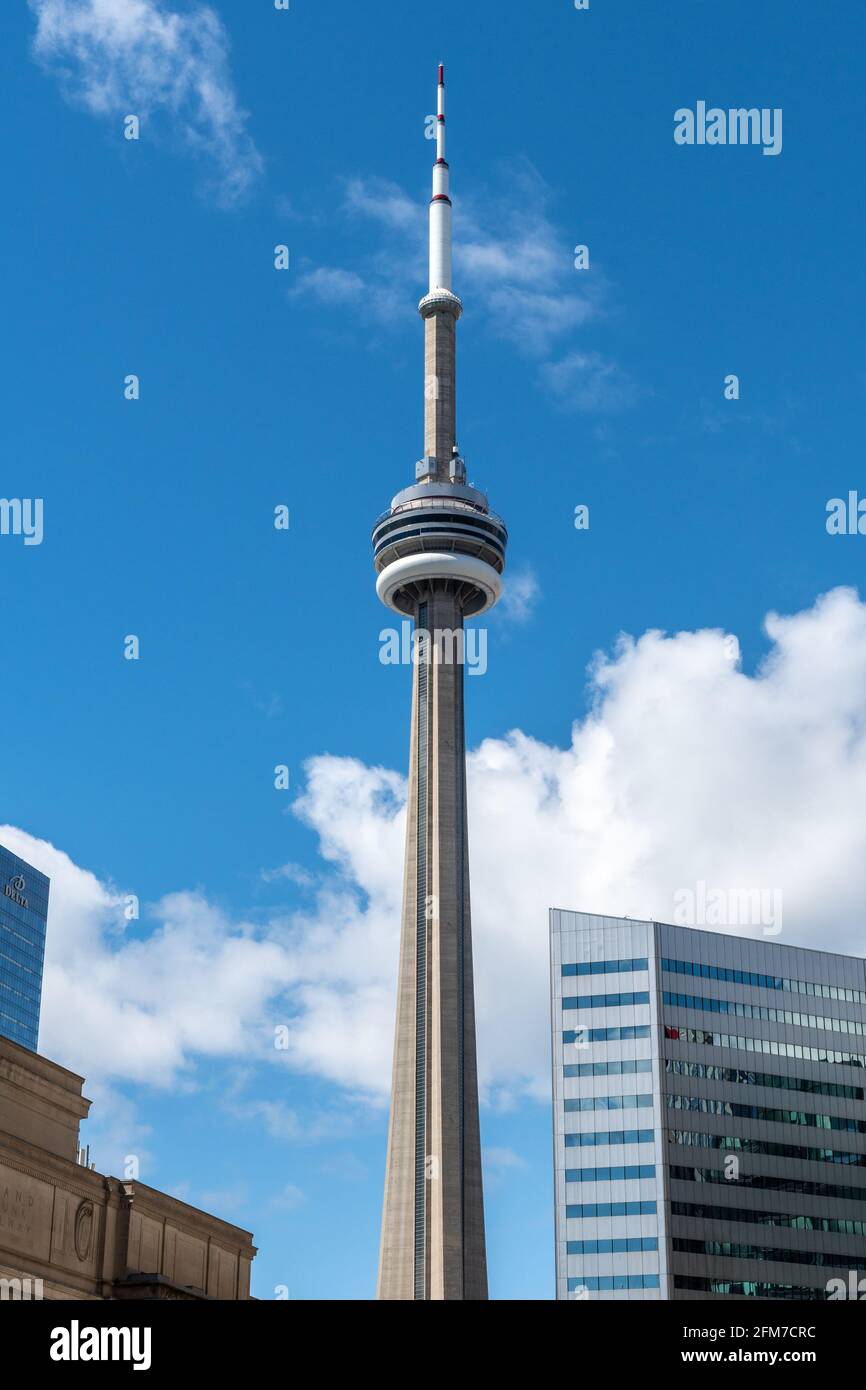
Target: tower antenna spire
x,y
440,203
440,308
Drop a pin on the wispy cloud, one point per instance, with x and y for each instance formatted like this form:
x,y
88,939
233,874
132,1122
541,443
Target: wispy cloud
x,y
509,256
270,705
294,873
520,594
225,1200
498,1161
289,1198
513,255
140,57
383,281
499,1164
588,382
331,285
512,261
387,203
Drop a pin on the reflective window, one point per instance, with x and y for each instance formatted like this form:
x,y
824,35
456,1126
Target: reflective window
x,y
586,1210
751,977
808,1187
606,1282
745,1077
838,1225
623,1245
627,1068
597,1138
706,1106
696,1140
743,1010
624,1174
606,967
733,1250
23,911
604,1001
588,1035
637,1102
748,1289
768,1045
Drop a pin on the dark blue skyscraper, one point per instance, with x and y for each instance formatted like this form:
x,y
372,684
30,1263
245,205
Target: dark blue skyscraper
x,y
23,914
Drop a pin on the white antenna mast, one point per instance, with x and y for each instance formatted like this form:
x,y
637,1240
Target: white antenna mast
x,y
440,205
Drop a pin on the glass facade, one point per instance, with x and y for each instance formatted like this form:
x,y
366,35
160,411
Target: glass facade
x,y
734,1162
23,915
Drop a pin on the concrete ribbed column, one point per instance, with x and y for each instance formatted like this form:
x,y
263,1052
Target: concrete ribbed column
x,y
433,1243
440,390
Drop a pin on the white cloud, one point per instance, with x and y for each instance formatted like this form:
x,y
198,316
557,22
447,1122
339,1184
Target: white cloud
x,y
511,261
499,1160
686,770
289,1198
224,1201
499,1164
386,202
331,285
115,1133
520,263
140,57
587,381
294,873
125,1007
520,594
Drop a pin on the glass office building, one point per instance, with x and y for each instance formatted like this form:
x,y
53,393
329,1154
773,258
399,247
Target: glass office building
x,y
23,915
709,1115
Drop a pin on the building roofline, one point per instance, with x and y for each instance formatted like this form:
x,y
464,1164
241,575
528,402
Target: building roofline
x,y
706,931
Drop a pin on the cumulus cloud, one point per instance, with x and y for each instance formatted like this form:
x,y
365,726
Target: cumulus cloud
x,y
119,1005
686,769
141,57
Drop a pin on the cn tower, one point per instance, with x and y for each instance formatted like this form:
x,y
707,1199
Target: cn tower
x,y
439,553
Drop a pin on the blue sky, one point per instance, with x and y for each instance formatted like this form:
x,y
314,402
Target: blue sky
x,y
304,388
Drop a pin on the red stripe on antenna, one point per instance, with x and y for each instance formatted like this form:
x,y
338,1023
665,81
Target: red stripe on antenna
x,y
441,74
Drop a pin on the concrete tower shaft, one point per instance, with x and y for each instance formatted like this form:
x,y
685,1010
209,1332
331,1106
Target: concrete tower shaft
x,y
432,1244
440,315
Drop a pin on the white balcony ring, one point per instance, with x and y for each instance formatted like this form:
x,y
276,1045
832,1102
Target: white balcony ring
x,y
439,565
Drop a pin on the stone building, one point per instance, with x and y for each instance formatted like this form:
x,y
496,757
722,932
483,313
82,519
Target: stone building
x,y
68,1232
